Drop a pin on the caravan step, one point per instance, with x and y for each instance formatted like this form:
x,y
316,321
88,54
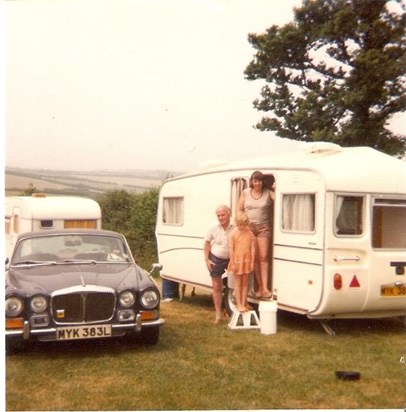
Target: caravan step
x,y
244,320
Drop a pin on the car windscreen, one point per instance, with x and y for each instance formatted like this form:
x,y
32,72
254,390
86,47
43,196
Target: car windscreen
x,y
99,248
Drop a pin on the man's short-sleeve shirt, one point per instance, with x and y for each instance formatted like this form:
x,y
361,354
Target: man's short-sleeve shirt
x,y
218,238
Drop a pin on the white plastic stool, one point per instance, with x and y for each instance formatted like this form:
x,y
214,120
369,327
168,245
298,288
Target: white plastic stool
x,y
244,320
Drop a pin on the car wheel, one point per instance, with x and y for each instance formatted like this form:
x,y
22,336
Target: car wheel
x,y
149,336
15,346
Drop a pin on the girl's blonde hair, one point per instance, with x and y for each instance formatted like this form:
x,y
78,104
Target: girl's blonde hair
x,y
242,219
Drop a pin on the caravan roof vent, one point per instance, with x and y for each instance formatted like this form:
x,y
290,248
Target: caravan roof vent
x,y
324,147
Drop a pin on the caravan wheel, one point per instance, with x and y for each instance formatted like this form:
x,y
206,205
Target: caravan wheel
x,y
229,301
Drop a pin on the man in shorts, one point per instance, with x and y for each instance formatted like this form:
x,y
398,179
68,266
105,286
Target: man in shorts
x,y
217,255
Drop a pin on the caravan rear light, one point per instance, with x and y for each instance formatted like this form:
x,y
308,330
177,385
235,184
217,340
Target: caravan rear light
x,y
338,281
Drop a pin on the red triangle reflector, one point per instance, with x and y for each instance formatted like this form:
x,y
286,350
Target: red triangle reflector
x,y
354,283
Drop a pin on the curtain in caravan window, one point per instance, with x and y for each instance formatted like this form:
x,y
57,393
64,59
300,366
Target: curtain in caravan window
x,y
173,210
72,224
349,215
237,186
298,212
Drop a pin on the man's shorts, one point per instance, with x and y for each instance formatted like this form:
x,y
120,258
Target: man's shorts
x,y
219,267
261,230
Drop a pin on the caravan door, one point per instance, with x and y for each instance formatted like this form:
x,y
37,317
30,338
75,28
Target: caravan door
x,y
298,249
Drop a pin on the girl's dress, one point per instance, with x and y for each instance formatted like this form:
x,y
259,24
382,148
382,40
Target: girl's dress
x,y
241,242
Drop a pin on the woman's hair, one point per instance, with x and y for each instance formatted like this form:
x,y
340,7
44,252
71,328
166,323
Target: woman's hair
x,y
257,175
267,180
242,219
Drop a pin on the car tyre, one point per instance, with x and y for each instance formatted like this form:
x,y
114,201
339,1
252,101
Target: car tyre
x,y
149,336
229,301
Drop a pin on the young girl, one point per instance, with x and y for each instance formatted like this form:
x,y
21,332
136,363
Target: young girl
x,y
242,259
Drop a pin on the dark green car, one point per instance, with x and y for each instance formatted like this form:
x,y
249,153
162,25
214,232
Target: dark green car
x,y
79,284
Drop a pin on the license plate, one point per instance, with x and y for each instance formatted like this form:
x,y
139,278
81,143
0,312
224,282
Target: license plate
x,y
393,290
83,332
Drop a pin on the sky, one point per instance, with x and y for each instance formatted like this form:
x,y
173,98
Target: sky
x,y
134,84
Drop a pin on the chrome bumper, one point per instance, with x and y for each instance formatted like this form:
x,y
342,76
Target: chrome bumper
x,y
49,334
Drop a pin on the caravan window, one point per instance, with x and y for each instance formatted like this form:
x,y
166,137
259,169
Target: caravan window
x,y
389,224
172,212
349,215
47,224
298,212
80,223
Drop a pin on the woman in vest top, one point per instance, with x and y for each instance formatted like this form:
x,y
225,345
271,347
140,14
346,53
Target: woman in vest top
x,y
257,202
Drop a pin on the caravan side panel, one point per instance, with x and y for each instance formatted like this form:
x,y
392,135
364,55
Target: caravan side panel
x,y
180,236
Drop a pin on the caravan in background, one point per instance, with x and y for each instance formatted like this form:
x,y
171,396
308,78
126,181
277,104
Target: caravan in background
x,y
40,212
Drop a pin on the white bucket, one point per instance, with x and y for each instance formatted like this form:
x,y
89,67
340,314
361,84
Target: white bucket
x,y
267,316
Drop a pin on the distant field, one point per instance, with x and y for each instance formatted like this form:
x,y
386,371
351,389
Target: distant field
x,y
124,181
87,184
22,182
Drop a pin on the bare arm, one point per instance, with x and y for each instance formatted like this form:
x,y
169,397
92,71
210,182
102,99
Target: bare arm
x,y
207,248
272,191
231,246
253,252
240,204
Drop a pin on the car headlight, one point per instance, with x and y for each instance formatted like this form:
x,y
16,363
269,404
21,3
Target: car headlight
x,y
126,299
38,304
149,298
14,306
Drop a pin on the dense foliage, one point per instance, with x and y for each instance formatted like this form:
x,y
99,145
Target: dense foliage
x,y
133,215
337,73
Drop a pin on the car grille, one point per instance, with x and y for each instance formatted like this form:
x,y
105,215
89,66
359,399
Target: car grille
x,y
83,307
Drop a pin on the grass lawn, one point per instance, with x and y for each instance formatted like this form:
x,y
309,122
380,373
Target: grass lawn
x,y
199,366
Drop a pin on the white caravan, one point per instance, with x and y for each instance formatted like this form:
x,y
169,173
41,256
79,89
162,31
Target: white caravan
x,y
39,212
339,229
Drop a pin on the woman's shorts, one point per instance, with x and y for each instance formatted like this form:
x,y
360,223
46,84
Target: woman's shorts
x,y
261,230
219,267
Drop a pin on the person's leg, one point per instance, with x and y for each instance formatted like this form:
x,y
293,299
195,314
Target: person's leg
x,y
244,290
217,296
257,272
263,256
237,292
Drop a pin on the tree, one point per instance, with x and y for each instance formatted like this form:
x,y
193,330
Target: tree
x,y
116,209
31,189
133,215
143,222
337,73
